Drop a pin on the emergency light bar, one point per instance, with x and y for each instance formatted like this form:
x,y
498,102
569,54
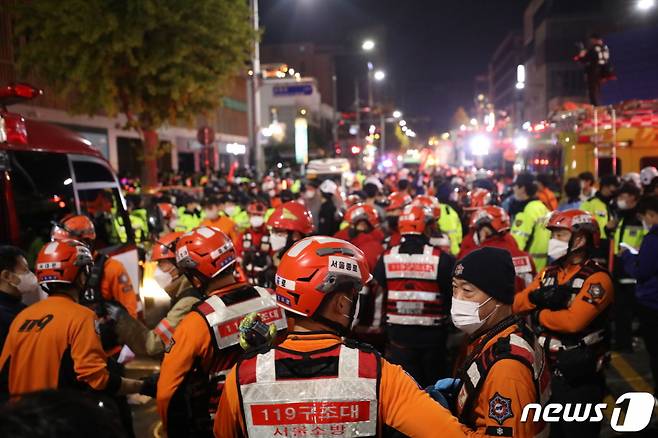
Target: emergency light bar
x,y
15,93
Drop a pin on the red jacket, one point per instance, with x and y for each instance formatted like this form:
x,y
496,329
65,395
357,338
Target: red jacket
x,y
372,244
525,267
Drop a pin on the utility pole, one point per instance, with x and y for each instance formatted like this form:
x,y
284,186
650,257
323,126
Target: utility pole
x,y
357,106
334,90
256,144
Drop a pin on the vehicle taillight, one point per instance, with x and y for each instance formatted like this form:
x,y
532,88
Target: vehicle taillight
x,y
14,93
12,129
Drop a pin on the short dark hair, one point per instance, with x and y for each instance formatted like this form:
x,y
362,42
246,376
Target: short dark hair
x,y
9,257
527,181
629,189
572,188
370,190
586,176
648,203
403,184
212,201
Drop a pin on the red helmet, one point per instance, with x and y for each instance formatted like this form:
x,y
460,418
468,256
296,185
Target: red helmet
x,y
61,261
414,219
291,216
256,208
397,200
74,227
205,252
478,198
165,247
493,216
574,221
361,212
429,202
313,268
167,210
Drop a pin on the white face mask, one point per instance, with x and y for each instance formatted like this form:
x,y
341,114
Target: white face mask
x,y
173,224
27,283
212,214
622,204
161,277
309,194
256,221
465,315
557,249
229,210
646,225
278,241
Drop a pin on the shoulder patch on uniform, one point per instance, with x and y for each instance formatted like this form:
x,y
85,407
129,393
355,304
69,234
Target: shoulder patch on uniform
x,y
499,431
123,279
518,223
169,345
500,408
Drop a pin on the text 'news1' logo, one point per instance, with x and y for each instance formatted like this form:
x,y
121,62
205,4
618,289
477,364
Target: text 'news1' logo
x,y
638,412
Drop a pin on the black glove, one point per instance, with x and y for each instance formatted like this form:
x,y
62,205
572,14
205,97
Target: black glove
x,y
552,298
150,385
114,310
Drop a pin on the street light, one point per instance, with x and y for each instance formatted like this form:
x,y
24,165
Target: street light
x,y
368,45
645,5
397,114
379,75
403,123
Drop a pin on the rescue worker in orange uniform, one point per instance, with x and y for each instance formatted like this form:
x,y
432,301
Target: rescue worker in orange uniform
x,y
318,383
569,303
215,216
396,202
416,278
109,280
53,343
437,237
504,367
131,331
288,223
490,227
206,343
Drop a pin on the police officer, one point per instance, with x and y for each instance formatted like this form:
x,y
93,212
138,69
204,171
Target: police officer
x,y
600,206
527,213
569,302
490,226
206,343
53,344
189,214
416,278
317,383
504,367
450,223
629,232
183,295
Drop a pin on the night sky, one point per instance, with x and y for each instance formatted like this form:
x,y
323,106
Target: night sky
x,y
433,48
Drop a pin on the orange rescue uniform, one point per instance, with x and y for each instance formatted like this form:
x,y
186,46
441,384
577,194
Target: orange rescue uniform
x,y
402,404
508,387
227,225
116,286
595,295
53,344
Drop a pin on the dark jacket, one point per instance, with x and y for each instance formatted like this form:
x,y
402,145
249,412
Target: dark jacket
x,y
10,306
644,268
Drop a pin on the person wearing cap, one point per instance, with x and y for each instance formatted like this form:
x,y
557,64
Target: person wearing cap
x,y
131,331
416,280
318,382
205,344
396,202
600,206
329,215
628,233
255,247
569,305
527,214
504,368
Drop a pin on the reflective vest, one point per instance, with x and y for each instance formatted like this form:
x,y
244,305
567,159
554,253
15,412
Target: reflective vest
x,y
339,396
414,296
520,345
600,210
594,338
451,224
631,235
223,314
530,233
523,268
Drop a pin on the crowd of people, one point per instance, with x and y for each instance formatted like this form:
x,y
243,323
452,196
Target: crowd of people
x,y
305,308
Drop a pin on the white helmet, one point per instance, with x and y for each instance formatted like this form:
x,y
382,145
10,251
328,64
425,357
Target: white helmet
x,y
634,178
328,186
648,174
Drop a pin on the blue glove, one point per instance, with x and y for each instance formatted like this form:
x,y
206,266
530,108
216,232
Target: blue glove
x,y
447,385
444,391
438,397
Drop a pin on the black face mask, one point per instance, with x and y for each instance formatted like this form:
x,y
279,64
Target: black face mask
x,y
393,222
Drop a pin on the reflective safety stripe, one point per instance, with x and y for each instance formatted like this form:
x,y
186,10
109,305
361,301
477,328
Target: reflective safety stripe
x,y
224,321
345,405
522,264
413,295
165,331
417,266
414,320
